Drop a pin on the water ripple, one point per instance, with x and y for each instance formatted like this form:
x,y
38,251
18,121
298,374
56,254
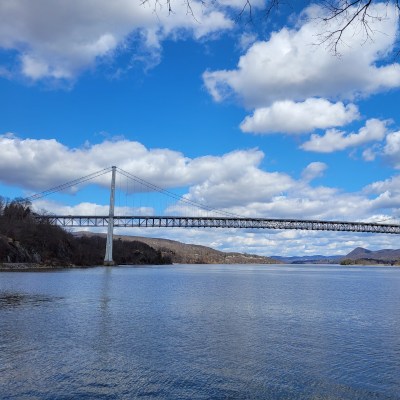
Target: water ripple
x,y
201,332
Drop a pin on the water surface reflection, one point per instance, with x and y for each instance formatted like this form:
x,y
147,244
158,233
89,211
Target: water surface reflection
x,y
201,332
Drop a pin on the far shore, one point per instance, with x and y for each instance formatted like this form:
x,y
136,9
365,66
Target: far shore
x,y
36,267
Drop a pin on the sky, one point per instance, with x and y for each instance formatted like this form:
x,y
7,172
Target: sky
x,y
260,118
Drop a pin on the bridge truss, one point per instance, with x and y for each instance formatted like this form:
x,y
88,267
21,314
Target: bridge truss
x,y
216,222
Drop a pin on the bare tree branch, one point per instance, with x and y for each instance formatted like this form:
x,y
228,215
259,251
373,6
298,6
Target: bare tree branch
x,y
349,14
247,5
343,13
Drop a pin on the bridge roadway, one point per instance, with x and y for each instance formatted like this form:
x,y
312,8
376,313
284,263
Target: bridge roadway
x,y
216,222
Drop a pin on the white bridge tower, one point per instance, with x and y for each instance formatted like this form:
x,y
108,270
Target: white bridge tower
x,y
108,259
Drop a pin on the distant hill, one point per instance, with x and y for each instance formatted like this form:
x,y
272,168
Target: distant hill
x,y
359,256
313,259
364,256
182,253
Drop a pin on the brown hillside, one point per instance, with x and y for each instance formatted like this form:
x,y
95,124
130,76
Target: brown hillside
x,y
183,253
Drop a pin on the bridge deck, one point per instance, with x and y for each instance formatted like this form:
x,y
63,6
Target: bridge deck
x,y
216,222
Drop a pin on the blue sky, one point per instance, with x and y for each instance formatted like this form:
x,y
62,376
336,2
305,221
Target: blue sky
x,y
255,119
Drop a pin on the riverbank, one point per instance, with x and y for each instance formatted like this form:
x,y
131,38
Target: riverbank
x,y
32,267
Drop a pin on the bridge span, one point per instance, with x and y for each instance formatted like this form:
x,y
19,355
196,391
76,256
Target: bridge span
x,y
215,222
226,221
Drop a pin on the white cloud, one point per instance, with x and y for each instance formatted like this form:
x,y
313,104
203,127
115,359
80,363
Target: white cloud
x,y
248,186
36,69
61,39
369,154
385,197
313,170
289,67
88,208
388,185
391,149
246,40
335,140
40,164
287,116
239,4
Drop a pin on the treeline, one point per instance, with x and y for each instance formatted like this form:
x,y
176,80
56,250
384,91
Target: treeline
x,y
368,261
24,240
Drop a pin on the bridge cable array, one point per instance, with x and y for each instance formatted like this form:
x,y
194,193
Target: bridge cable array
x,y
149,185
173,195
67,185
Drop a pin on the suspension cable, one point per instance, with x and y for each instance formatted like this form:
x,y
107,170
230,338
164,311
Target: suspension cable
x,y
173,195
67,185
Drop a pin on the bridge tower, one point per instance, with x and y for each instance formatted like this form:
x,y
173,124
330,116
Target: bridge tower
x,y
108,259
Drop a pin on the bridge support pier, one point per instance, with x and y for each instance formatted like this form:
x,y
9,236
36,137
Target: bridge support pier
x,y
108,259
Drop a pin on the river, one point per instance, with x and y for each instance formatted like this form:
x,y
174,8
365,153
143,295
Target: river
x,y
201,332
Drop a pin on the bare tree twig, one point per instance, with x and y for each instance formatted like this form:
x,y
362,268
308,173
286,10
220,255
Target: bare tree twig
x,y
344,13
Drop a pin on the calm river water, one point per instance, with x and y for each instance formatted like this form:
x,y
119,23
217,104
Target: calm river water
x,y
201,332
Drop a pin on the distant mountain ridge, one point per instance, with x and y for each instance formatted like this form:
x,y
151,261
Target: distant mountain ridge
x,y
358,256
385,256
313,259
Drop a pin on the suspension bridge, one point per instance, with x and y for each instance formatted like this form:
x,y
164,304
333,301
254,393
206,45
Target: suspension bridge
x,y
218,219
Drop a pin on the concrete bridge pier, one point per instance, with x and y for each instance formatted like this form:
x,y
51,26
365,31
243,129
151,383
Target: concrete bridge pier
x,y
108,259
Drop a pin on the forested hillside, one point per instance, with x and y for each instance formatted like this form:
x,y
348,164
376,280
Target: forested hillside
x,y
183,253
23,240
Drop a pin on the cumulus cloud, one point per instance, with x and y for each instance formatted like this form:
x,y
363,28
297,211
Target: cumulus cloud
x,y
61,39
239,4
88,208
40,164
369,154
385,198
250,185
335,140
313,170
287,116
391,184
246,40
391,149
294,86
289,67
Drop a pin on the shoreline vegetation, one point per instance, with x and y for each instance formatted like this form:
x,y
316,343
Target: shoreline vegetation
x,y
26,245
